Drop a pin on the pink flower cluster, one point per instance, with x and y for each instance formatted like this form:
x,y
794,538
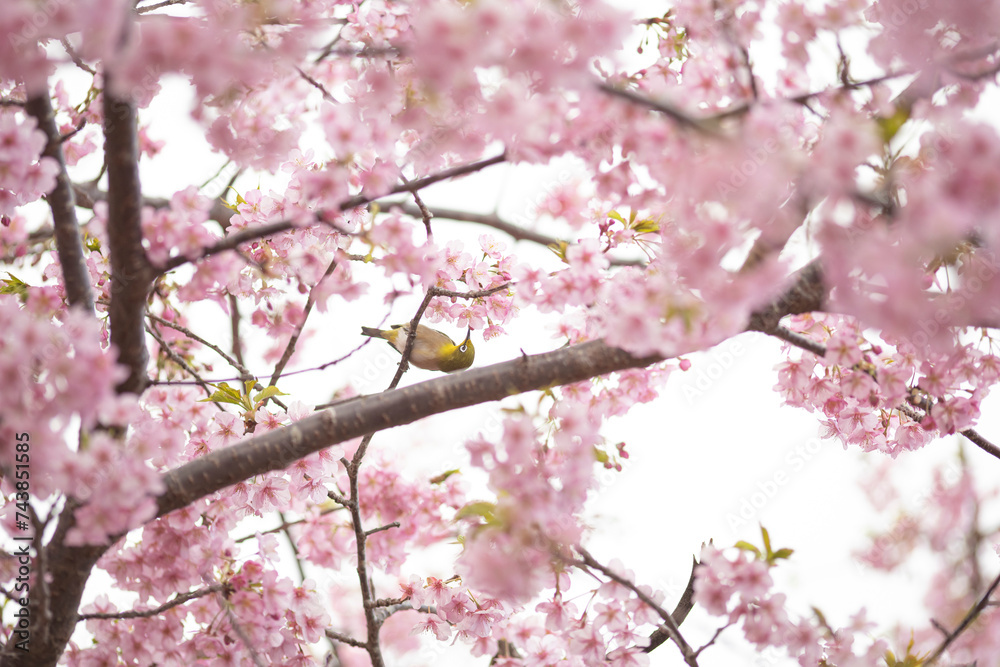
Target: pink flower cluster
x,y
926,529
24,175
540,489
612,630
739,587
476,272
253,608
872,394
47,365
180,229
95,25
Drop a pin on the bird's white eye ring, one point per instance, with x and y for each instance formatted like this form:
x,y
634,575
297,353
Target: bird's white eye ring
x,y
463,348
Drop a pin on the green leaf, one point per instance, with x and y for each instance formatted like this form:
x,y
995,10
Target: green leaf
x,y
438,479
782,553
239,200
889,126
559,248
746,546
14,286
646,227
767,541
483,509
615,215
93,243
268,392
224,394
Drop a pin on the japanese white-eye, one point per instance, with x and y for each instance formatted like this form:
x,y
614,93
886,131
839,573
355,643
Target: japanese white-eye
x,y
432,350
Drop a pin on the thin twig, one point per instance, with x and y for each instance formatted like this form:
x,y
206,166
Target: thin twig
x,y
285,525
234,326
681,610
966,622
979,441
179,599
806,343
237,627
372,531
421,183
411,335
294,339
425,214
241,369
317,85
344,639
681,117
669,626
272,228
179,360
76,57
367,586
160,5
291,543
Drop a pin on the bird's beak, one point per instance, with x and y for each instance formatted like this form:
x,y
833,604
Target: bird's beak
x,y
468,335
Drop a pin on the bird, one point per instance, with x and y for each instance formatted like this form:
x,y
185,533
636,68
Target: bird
x,y
432,350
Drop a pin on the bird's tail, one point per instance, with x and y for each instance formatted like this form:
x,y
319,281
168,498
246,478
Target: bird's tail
x,y
374,333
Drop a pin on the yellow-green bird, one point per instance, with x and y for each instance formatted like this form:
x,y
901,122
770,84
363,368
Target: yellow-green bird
x,y
432,350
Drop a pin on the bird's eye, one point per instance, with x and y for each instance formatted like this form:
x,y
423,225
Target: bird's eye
x,y
464,348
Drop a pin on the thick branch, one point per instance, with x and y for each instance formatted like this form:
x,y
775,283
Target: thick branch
x,y
131,274
67,569
76,278
806,294
276,450
70,566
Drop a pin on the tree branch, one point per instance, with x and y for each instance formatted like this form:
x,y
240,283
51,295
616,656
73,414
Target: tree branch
x,y
496,222
420,183
275,450
684,606
69,246
178,599
294,339
131,274
966,622
672,111
411,335
669,625
254,233
278,449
